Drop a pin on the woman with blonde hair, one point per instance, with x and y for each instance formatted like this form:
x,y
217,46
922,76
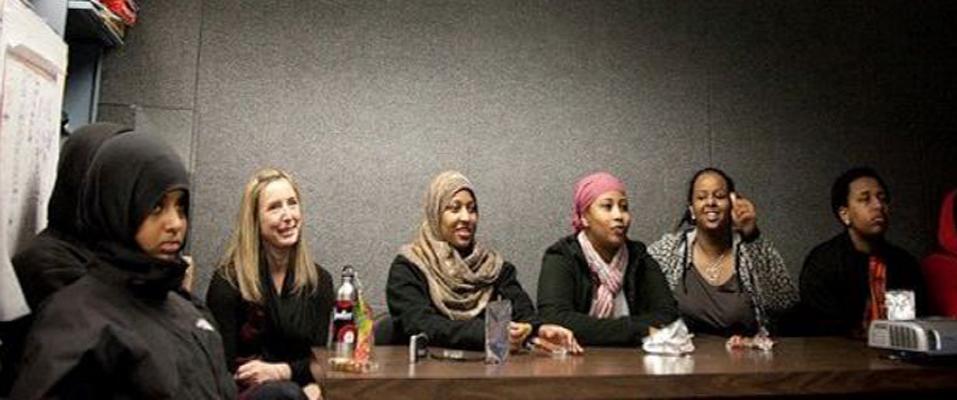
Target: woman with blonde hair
x,y
271,301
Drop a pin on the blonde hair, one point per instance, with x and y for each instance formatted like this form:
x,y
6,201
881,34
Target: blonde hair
x,y
240,264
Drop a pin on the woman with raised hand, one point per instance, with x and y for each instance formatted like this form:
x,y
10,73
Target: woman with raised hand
x,y
727,279
120,331
441,283
271,301
597,282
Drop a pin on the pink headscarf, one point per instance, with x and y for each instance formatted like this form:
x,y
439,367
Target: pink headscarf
x,y
588,189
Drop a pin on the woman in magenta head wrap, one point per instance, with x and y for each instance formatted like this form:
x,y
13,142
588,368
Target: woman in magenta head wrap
x,y
597,282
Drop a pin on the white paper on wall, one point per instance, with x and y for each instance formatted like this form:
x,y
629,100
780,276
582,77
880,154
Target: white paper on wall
x,y
33,60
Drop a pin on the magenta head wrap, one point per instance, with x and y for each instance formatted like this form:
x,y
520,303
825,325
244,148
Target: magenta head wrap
x,y
588,189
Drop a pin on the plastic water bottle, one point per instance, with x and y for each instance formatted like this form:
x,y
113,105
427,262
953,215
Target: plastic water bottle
x,y
344,317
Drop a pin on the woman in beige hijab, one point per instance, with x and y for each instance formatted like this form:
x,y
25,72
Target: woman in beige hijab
x,y
441,283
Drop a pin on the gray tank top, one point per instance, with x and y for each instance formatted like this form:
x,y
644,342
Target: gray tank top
x,y
719,310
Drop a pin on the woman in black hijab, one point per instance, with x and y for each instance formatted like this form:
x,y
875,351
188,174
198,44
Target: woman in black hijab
x,y
56,257
119,331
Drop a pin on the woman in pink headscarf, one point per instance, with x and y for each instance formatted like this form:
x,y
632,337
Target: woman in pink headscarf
x,y
597,282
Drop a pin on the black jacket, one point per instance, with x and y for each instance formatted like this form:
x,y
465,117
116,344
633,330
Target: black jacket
x,y
834,284
57,256
284,330
121,331
565,287
103,338
407,293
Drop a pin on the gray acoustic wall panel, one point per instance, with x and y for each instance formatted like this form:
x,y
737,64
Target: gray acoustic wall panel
x,y
379,97
117,113
809,90
365,101
157,66
175,126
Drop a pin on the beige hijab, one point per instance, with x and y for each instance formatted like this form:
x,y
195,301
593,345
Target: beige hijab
x,y
459,287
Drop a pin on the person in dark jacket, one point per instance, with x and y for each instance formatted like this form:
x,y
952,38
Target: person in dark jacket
x,y
843,280
271,301
601,285
120,331
57,256
441,283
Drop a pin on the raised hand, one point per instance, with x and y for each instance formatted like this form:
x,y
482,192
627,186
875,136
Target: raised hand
x,y
744,218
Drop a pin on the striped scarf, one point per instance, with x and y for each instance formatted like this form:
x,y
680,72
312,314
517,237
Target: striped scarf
x,y
610,276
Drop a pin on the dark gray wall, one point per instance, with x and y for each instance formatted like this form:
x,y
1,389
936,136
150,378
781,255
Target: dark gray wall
x,y
365,101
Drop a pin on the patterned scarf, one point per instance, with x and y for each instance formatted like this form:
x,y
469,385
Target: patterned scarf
x,y
459,287
610,276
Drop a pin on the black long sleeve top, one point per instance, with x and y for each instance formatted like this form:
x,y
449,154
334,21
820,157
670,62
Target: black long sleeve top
x,y
283,330
407,294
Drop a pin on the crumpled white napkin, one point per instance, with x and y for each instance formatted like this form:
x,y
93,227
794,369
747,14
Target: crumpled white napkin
x,y
762,340
673,339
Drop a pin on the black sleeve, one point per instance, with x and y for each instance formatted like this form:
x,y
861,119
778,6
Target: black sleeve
x,y
820,291
97,370
655,304
325,297
322,310
44,270
523,310
407,294
70,354
557,290
226,304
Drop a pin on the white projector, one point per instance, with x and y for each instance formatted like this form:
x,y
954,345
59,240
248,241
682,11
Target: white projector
x,y
931,336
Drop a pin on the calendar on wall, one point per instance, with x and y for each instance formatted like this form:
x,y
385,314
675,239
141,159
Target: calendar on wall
x,y
33,59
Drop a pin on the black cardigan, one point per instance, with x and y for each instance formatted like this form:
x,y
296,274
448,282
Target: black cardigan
x,y
407,293
565,289
834,284
288,325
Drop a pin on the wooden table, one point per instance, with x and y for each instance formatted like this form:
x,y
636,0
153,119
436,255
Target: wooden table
x,y
825,366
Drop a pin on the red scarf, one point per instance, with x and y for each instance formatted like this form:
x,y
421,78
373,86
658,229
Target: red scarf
x,y
877,280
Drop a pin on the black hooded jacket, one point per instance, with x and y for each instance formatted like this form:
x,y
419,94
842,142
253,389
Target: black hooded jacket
x,y
120,331
56,257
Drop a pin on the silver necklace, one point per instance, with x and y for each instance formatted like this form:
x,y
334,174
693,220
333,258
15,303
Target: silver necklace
x,y
713,271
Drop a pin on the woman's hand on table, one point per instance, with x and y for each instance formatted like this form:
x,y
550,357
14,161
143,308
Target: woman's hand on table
x,y
257,372
517,333
554,338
